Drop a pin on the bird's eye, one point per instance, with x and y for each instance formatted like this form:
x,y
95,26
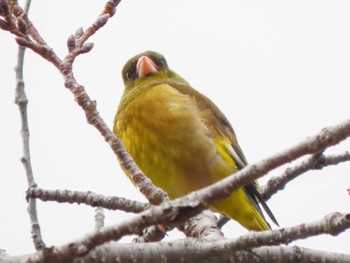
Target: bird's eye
x,y
130,75
160,63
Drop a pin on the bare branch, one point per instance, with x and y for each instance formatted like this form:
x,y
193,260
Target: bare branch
x,y
207,252
134,225
314,162
45,51
18,12
203,226
191,250
332,224
22,102
88,198
99,218
332,159
107,13
9,24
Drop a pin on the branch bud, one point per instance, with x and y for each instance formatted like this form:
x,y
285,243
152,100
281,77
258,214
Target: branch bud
x,y
21,41
4,8
22,25
101,21
110,8
86,47
116,2
71,42
79,32
4,25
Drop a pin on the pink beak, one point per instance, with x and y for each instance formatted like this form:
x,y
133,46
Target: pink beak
x,y
145,66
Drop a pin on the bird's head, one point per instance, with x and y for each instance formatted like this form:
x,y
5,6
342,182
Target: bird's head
x,y
145,68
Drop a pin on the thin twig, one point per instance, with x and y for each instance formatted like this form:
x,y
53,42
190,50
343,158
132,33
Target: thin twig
x,y
88,198
314,162
22,102
332,224
18,12
99,218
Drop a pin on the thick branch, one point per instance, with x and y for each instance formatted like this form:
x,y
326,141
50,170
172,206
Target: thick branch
x,y
192,250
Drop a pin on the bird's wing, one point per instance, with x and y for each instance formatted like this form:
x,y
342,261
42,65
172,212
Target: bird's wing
x,y
231,149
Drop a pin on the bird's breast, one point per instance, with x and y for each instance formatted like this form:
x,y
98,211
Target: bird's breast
x,y
165,133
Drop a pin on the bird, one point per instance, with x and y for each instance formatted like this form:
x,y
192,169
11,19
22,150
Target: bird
x,y
181,140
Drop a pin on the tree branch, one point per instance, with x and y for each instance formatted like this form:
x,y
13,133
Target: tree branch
x,y
22,102
314,162
88,198
191,250
19,13
99,218
332,224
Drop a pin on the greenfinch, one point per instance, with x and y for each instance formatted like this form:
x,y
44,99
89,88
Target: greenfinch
x,y
180,139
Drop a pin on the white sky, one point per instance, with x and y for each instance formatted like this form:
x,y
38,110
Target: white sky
x,y
279,70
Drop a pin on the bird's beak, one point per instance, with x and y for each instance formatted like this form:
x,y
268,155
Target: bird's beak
x,y
145,66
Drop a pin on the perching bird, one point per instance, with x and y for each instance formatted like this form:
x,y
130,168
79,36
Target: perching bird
x,y
180,139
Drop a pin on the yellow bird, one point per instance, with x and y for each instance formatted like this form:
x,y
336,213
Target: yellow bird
x,y
180,139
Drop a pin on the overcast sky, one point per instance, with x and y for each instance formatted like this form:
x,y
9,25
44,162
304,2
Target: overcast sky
x,y
279,70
